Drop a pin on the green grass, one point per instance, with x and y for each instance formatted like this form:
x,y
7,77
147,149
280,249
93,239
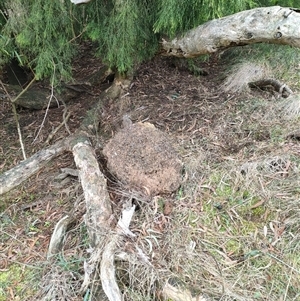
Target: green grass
x,y
22,280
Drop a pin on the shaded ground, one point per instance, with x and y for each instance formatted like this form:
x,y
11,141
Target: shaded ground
x,y
222,212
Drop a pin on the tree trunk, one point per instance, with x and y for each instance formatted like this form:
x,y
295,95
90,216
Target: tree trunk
x,y
276,25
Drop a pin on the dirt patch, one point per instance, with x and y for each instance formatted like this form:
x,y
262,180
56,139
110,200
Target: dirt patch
x,y
143,157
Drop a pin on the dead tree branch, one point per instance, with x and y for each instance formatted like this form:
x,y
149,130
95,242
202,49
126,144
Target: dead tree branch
x,y
17,175
93,184
275,24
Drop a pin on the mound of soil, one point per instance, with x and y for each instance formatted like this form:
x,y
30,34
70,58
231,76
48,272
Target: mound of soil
x,y
143,157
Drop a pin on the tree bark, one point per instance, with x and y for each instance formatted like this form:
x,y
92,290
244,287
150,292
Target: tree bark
x,y
275,24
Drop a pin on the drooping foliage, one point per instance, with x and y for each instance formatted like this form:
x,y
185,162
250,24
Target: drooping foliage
x,y
44,35
123,30
178,16
39,33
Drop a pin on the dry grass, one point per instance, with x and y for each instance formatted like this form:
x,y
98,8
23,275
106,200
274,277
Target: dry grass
x,y
233,232
291,107
243,74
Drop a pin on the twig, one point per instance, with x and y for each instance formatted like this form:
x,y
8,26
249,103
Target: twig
x,y
282,262
48,106
23,91
287,287
64,122
65,118
16,115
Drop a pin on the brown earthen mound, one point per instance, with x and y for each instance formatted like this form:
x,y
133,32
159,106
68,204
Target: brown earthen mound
x,y
143,157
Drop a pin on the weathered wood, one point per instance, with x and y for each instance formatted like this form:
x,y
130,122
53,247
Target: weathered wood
x,y
17,175
93,182
57,237
275,24
107,267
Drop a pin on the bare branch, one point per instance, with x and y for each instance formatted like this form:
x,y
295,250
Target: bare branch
x,y
16,116
48,105
80,1
17,175
275,24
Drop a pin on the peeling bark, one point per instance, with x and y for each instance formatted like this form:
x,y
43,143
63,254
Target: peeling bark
x,y
275,24
57,237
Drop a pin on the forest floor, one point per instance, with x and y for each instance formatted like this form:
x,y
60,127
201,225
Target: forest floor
x,y
231,232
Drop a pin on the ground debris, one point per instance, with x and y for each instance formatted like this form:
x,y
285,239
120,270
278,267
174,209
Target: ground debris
x,y
143,157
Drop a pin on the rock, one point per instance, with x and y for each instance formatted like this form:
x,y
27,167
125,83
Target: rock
x,y
34,99
143,157
37,98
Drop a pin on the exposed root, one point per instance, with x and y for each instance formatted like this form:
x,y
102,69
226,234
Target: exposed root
x,y
282,89
107,269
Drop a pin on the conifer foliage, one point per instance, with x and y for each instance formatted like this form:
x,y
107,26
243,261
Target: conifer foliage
x,y
44,35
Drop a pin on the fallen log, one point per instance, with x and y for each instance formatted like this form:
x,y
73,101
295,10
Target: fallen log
x,y
275,25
